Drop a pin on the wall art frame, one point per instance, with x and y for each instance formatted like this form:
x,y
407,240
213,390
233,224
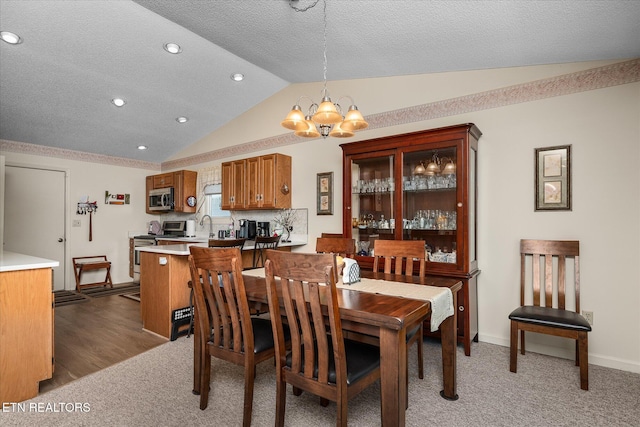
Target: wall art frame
x,y
325,193
553,178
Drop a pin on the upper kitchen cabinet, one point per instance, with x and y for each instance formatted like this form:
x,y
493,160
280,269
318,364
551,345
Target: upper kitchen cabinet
x,y
419,186
262,182
183,183
233,187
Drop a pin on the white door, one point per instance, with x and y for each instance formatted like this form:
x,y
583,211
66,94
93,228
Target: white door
x,y
34,215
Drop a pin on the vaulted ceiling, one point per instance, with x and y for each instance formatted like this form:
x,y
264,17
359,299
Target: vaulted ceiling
x,y
57,85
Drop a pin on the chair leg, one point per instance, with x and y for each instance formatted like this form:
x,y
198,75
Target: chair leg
x,y
324,402
522,351
281,400
249,376
421,352
205,377
342,412
584,360
513,353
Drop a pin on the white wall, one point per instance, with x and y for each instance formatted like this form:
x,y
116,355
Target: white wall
x,y
111,223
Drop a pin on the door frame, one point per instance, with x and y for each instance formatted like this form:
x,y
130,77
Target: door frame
x,y
66,271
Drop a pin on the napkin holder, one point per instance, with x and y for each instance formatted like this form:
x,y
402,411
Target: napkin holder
x,y
351,271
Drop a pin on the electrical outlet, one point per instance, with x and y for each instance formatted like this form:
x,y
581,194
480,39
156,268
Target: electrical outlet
x,y
588,315
76,223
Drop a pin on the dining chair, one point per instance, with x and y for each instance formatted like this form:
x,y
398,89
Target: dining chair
x,y
321,360
262,244
339,235
336,245
213,243
227,243
398,257
545,288
226,329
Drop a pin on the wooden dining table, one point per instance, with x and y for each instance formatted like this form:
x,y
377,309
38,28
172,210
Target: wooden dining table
x,y
386,317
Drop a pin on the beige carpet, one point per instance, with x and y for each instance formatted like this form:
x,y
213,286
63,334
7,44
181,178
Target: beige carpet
x,y
154,388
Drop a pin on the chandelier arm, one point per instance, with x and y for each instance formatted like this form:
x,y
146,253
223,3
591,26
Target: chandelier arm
x,y
301,9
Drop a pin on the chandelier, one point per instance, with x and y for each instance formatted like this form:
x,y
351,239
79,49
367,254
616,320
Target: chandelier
x,y
324,119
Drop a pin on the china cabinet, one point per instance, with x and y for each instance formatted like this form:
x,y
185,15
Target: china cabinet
x,y
419,186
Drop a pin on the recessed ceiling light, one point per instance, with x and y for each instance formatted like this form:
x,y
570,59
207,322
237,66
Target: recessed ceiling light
x,y
237,77
172,48
142,147
10,37
182,120
118,102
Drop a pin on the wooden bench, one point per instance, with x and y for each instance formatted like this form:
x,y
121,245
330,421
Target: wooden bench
x,y
89,263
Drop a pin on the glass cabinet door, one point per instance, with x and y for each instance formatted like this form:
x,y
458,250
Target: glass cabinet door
x,y
372,201
429,202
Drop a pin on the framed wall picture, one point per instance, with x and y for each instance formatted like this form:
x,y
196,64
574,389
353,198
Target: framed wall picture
x,y
553,178
325,193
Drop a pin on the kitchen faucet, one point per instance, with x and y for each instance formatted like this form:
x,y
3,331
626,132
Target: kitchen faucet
x,y
210,225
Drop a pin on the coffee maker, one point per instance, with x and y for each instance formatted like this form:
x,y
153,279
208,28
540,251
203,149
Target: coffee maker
x,y
264,229
247,229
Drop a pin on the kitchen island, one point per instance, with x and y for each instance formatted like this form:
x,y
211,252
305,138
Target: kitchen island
x,y
164,274
26,325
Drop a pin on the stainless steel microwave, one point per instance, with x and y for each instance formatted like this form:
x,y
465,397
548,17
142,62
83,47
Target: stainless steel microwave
x,y
161,199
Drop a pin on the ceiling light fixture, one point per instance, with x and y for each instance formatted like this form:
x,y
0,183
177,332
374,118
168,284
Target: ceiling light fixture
x,y
9,37
142,147
324,119
172,48
182,119
237,77
118,102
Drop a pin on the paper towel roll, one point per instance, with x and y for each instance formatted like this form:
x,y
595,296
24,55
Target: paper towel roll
x,y
191,228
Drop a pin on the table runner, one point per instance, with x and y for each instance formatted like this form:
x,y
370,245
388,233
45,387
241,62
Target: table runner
x,y
441,299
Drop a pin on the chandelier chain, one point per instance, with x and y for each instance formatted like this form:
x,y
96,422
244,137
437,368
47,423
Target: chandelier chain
x,y
325,47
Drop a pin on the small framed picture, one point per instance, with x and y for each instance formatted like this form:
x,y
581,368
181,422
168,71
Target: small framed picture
x,y
325,193
553,178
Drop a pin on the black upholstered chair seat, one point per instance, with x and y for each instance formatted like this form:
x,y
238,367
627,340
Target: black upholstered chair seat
x,y
262,335
361,358
547,316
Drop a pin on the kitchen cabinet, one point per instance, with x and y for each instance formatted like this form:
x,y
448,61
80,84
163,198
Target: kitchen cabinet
x,y
184,185
419,186
262,182
268,181
233,185
163,180
163,288
26,341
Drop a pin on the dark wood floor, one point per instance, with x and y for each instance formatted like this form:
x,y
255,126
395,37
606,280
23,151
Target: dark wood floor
x,y
94,335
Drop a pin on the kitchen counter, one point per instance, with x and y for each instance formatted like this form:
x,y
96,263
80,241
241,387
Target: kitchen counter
x,y
164,274
183,248
12,261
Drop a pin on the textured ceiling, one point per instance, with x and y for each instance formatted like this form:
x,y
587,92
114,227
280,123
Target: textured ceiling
x,y
76,56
